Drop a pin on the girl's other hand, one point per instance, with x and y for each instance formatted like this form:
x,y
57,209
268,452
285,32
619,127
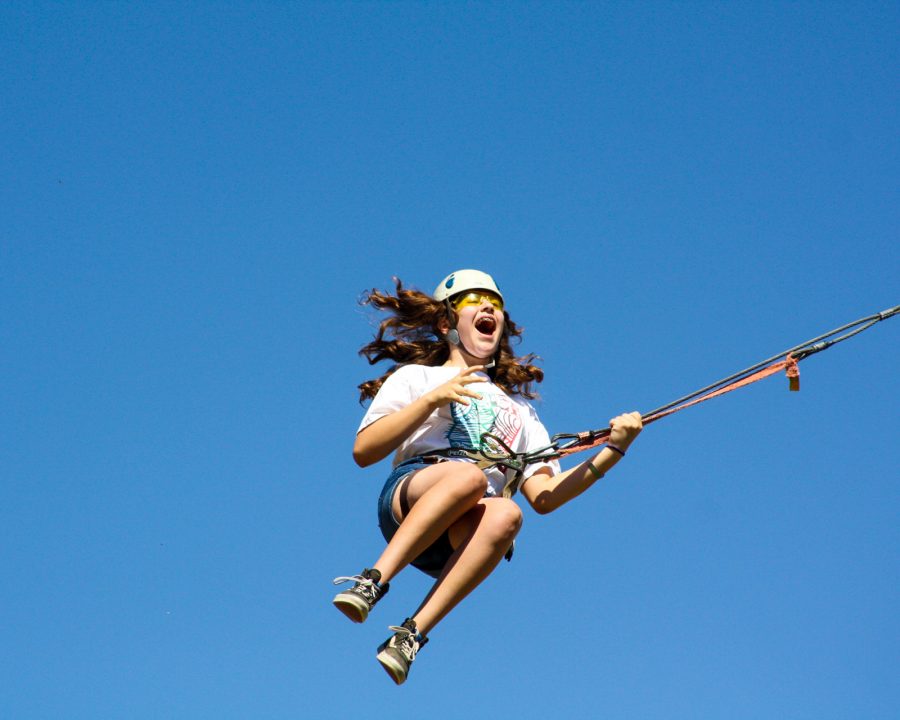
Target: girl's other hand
x,y
455,390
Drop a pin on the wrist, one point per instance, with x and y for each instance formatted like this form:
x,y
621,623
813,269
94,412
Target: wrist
x,y
622,443
431,401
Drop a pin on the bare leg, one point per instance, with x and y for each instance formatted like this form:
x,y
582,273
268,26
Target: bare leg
x,y
437,496
481,538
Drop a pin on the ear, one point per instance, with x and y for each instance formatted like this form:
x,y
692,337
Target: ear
x,y
443,326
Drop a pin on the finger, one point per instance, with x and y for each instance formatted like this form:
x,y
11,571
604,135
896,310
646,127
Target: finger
x,y
469,379
471,369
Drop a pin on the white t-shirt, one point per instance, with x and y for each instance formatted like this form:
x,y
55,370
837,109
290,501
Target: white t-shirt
x,y
455,425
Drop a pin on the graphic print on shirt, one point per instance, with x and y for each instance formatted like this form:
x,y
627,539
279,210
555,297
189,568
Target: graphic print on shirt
x,y
494,413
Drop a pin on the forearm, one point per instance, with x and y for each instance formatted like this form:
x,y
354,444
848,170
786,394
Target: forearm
x,y
378,440
547,493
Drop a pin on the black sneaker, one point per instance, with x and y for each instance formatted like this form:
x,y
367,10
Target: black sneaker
x,y
356,602
397,653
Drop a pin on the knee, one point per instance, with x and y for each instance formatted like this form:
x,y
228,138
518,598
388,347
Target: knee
x,y
504,520
469,481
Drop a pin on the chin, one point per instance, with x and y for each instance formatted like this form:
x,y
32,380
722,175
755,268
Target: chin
x,y
488,351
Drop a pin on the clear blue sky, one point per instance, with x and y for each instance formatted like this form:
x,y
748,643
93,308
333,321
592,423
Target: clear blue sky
x,y
193,197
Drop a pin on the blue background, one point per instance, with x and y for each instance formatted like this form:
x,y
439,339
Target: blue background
x,y
194,196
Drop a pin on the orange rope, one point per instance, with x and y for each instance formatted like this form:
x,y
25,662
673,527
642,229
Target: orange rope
x,y
789,365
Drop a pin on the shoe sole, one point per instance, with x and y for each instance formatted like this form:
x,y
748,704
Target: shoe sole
x,y
353,608
391,666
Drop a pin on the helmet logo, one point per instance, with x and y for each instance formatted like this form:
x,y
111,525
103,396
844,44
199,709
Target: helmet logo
x,y
450,281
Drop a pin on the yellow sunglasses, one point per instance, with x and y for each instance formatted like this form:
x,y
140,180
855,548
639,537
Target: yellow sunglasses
x,y
476,298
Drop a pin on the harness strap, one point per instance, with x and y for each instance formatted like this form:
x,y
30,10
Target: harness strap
x,y
485,459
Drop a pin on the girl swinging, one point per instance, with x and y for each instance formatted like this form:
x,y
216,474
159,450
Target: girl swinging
x,y
455,379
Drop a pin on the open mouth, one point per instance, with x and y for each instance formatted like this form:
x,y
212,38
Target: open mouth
x,y
486,324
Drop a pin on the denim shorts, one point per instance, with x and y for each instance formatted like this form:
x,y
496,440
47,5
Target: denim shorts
x,y
435,557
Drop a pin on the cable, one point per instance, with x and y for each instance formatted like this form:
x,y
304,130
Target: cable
x,y
568,443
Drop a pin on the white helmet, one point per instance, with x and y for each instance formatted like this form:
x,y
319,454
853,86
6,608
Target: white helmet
x,y
464,280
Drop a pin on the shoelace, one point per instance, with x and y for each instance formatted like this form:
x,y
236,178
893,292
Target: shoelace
x,y
367,585
408,645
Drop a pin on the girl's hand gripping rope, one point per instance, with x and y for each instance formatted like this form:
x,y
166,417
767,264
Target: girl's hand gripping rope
x,y
455,390
623,430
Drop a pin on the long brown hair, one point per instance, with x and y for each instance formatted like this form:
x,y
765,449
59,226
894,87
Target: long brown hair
x,y
411,335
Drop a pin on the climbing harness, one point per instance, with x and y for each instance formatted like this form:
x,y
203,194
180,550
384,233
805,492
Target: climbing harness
x,y
494,452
